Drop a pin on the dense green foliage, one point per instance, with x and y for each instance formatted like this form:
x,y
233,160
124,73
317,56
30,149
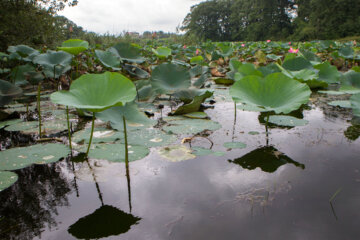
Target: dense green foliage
x,y
254,20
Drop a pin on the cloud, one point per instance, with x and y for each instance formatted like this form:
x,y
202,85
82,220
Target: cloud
x,y
116,16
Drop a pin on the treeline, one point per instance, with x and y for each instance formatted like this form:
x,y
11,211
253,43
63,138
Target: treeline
x,y
256,20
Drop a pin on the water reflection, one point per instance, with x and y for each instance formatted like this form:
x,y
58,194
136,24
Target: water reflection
x,y
268,159
31,204
107,220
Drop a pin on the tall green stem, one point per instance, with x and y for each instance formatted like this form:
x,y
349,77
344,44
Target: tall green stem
x,y
91,134
38,107
126,143
68,125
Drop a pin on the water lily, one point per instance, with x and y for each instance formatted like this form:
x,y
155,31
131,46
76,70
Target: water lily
x,y
197,52
293,50
243,45
184,47
268,40
289,43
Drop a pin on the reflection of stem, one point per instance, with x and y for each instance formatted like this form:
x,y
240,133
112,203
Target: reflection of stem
x,y
38,107
75,184
266,128
233,133
127,163
96,183
91,134
69,130
333,211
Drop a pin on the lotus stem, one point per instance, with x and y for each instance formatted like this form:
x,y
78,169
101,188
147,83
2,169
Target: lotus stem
x,y
69,130
126,143
38,107
266,128
91,134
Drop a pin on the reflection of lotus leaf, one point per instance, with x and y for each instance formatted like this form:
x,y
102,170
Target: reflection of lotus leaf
x,y
17,158
176,153
183,125
200,151
104,222
239,145
97,92
7,179
275,92
268,159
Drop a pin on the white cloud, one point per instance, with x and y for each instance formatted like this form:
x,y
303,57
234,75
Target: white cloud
x,y
116,16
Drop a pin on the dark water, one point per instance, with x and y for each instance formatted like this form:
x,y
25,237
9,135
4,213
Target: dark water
x,y
235,196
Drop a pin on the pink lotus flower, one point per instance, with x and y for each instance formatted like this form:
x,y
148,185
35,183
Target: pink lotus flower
x,y
243,45
289,43
354,42
184,47
293,50
268,41
197,52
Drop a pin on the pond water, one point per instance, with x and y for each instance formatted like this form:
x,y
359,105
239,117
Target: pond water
x,y
276,190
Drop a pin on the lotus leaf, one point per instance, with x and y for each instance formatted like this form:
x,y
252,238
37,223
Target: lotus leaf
x,y
150,138
328,73
9,122
127,52
349,89
168,78
197,60
196,115
194,105
246,69
297,64
162,52
183,125
25,52
7,179
17,158
239,145
234,64
201,80
97,92
31,127
176,153
108,59
196,71
19,73
135,71
288,121
8,91
100,135
351,78
74,46
346,52
276,92
116,152
224,81
343,104
52,59
355,104
199,151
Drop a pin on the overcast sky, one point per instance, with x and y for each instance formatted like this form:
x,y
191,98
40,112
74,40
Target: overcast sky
x,y
116,16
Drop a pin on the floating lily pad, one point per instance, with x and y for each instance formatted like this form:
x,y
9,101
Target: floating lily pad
x,y
176,153
190,126
253,133
9,122
289,121
196,115
199,151
101,135
250,108
355,104
7,179
32,127
17,158
116,152
329,92
349,89
343,104
238,145
224,81
150,137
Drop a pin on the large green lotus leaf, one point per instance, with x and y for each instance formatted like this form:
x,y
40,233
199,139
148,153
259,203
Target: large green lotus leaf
x,y
194,105
162,52
34,77
246,69
97,92
196,71
355,104
136,72
276,92
183,125
310,56
268,69
349,89
238,145
116,152
273,57
297,64
8,91
234,64
108,59
59,71
19,73
343,104
197,60
226,49
32,127
308,76
74,46
25,52
17,158
168,78
7,179
200,151
176,153
288,121
127,52
346,52
351,78
187,95
150,138
52,59
201,80
131,113
328,73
